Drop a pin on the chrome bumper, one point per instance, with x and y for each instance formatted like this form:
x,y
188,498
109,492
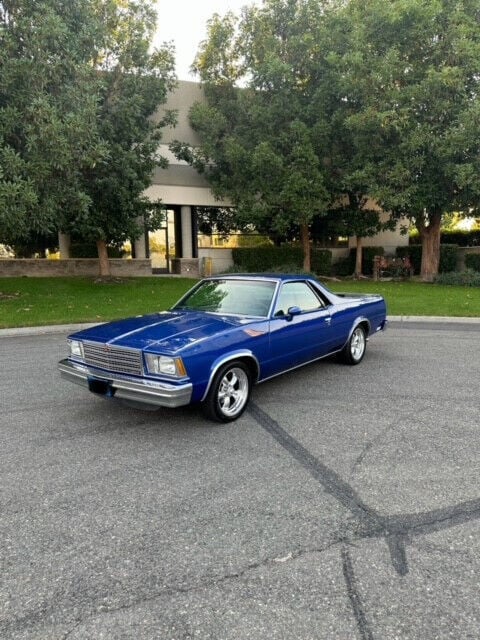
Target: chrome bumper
x,y
148,392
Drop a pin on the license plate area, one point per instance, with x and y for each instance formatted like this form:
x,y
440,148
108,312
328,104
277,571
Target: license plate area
x,y
100,387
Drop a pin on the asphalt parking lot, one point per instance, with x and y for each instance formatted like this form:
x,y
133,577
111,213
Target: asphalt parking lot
x,y
345,504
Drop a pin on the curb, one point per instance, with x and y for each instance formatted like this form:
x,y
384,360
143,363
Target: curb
x,y
71,328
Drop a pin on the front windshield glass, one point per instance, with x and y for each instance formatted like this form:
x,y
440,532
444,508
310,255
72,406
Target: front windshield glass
x,y
239,297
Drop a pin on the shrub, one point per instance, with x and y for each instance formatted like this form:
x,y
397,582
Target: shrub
x,y
89,250
460,237
472,261
448,257
261,259
414,252
343,267
368,254
467,278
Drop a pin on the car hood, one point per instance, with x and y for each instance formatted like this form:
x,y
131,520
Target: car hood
x,y
167,331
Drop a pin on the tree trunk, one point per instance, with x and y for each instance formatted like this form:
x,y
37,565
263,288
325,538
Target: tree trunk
x,y
103,260
430,236
306,247
358,258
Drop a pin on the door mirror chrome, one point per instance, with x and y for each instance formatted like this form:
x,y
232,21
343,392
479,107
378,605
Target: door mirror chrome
x,y
293,311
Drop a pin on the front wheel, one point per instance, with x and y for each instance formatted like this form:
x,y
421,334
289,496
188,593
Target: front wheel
x,y
228,396
354,350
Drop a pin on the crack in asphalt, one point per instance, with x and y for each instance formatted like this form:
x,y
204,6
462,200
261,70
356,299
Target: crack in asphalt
x,y
397,530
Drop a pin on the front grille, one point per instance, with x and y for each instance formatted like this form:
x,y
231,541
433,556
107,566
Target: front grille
x,y
112,358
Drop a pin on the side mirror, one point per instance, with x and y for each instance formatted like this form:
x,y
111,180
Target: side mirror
x,y
293,311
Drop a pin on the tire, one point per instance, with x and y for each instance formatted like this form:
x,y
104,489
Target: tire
x,y
354,350
229,393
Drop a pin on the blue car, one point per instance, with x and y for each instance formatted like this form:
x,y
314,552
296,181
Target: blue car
x,y
226,334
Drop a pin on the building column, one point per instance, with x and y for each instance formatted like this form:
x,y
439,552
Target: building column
x,y
186,217
139,244
64,245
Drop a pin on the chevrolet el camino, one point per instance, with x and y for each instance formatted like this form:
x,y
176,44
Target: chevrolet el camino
x,y
226,334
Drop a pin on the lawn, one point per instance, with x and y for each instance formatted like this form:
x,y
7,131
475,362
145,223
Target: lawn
x,y
41,301
28,302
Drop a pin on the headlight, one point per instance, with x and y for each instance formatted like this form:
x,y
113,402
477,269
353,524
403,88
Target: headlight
x,y
164,365
76,349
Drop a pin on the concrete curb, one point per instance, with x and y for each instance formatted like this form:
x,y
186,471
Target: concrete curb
x,y
71,328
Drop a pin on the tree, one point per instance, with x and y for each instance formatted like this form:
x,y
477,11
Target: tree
x,y
78,86
134,81
410,82
48,114
258,136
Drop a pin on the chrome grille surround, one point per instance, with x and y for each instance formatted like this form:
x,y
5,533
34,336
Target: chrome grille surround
x,y
112,358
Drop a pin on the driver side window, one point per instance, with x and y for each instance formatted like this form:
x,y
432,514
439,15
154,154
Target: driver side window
x,y
296,294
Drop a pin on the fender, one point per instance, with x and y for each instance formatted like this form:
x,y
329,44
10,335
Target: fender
x,y
357,321
233,355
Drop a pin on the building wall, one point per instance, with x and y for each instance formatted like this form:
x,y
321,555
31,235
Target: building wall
x,y
181,185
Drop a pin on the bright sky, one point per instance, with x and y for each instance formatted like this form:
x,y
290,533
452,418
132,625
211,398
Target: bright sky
x,y
184,23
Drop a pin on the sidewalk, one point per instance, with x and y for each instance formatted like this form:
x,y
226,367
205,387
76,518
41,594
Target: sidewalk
x,y
71,328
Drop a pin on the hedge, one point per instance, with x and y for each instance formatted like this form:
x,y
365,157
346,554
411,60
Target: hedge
x,y
462,238
448,257
472,261
262,259
467,278
346,266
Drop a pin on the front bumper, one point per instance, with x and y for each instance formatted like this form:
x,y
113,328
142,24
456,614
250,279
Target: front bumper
x,y
147,392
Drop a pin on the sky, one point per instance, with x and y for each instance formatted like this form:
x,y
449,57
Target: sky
x,y
184,23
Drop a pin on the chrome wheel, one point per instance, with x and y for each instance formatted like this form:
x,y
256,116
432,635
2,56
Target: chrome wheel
x,y
357,344
229,393
233,392
354,350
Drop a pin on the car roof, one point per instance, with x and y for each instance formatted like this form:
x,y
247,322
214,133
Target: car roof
x,y
260,276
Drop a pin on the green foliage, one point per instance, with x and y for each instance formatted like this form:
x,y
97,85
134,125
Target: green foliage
x,y
460,237
448,258
265,259
467,278
78,84
259,145
412,89
368,254
89,250
472,261
48,113
414,252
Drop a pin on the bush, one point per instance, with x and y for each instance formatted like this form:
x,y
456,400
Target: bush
x,y
89,250
448,257
343,267
368,254
472,261
414,252
467,278
460,237
261,259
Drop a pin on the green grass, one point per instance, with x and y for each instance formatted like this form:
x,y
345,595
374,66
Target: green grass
x,y
410,298
30,302
41,301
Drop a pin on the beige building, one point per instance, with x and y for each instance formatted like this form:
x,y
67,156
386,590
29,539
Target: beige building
x,y
174,247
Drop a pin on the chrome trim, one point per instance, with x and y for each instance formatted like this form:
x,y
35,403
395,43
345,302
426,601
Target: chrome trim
x,y
148,392
228,358
298,366
111,357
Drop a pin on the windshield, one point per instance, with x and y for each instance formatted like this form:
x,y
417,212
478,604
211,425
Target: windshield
x,y
239,297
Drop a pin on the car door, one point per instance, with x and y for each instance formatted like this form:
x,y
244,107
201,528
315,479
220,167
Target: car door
x,y
300,327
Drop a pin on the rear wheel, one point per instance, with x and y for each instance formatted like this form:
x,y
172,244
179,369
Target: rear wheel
x,y
354,350
229,394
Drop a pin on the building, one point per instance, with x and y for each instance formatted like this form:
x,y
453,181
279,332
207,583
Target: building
x,y
174,248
